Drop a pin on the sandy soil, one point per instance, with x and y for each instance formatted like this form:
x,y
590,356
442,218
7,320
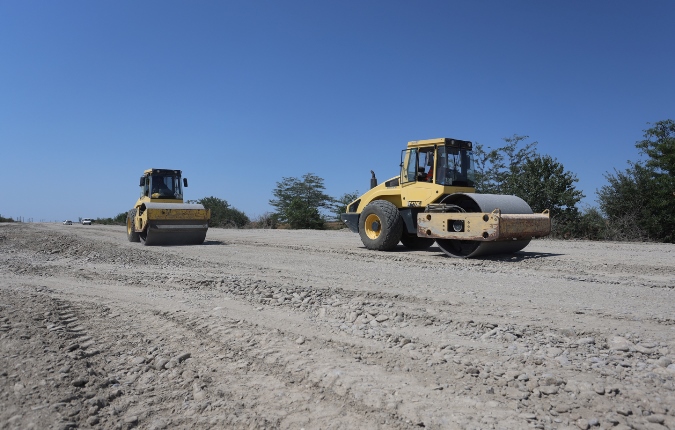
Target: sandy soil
x,y
308,329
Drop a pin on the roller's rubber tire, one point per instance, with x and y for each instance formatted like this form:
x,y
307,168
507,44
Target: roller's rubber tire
x,y
146,238
415,242
380,226
131,233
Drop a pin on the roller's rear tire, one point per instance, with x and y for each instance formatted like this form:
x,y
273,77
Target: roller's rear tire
x,y
415,242
146,237
131,231
380,226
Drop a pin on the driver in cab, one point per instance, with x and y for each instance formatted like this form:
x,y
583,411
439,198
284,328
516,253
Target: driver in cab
x,y
159,188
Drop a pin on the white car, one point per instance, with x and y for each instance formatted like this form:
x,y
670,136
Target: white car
x,y
67,222
86,221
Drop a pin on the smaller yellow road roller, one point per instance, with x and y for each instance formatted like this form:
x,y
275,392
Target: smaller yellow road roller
x,y
160,217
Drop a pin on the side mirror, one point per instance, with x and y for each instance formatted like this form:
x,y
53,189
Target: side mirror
x,y
142,181
185,182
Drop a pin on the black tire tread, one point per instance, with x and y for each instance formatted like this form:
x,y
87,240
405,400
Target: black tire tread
x,y
132,235
146,237
392,225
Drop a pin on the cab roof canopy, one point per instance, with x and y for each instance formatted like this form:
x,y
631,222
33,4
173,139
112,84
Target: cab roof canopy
x,y
162,172
465,144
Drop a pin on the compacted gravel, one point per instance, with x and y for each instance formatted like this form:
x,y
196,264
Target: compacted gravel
x,y
308,329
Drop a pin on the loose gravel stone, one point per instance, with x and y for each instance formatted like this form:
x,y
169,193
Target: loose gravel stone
x,y
182,357
549,389
80,382
624,410
160,362
663,361
656,418
133,419
582,424
618,343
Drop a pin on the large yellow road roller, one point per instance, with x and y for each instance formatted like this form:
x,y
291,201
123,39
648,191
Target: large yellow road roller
x,y
434,200
160,217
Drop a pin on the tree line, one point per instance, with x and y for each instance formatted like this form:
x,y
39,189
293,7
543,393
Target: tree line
x,y
636,204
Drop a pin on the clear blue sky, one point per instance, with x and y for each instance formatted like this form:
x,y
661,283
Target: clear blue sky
x,y
239,94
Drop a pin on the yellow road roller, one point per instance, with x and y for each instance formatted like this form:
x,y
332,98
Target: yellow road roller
x,y
160,217
434,200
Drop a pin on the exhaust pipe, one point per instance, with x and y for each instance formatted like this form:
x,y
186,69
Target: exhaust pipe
x,y
373,180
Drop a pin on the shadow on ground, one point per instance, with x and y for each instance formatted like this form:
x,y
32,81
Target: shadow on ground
x,y
515,257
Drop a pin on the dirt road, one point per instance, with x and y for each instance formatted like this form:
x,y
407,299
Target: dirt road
x,y
307,329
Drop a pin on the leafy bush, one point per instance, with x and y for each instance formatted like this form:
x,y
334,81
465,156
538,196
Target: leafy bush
x,y
222,214
266,220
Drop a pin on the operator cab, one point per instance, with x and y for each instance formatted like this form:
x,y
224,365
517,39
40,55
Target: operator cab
x,y
162,184
447,162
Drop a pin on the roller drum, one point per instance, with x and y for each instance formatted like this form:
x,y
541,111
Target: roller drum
x,y
175,224
471,202
158,237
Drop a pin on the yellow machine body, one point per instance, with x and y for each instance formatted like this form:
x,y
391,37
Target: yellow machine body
x,y
160,217
434,199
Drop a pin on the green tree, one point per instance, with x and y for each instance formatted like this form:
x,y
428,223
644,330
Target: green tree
x,y
659,146
222,214
639,202
516,168
544,184
625,203
300,215
299,201
339,205
494,166
591,225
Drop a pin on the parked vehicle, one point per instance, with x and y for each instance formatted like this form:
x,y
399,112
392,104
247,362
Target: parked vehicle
x,y
86,221
67,222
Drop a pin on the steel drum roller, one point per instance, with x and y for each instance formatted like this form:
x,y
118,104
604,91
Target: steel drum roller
x,y
471,202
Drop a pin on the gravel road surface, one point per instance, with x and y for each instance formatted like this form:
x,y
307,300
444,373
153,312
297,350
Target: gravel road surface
x,y
308,329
